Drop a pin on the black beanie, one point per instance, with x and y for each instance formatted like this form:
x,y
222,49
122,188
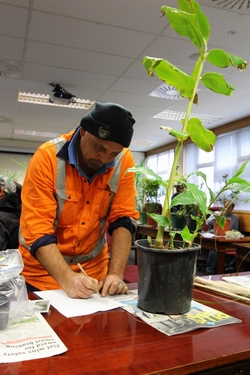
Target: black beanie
x,y
110,122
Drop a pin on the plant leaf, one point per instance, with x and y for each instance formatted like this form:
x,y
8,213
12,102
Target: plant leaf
x,y
185,24
222,59
217,83
176,133
193,7
187,236
202,137
160,219
144,170
170,74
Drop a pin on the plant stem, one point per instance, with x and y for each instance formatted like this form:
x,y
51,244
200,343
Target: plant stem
x,y
166,206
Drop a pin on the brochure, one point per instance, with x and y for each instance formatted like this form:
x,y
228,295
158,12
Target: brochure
x,y
199,316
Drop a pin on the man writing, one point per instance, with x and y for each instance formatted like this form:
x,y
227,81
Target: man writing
x,y
74,190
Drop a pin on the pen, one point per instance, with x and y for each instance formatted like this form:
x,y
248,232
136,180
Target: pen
x,y
96,291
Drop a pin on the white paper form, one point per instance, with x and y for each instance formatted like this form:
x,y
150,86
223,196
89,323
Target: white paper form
x,y
70,307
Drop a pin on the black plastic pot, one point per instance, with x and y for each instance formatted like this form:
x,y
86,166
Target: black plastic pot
x,y
178,222
165,278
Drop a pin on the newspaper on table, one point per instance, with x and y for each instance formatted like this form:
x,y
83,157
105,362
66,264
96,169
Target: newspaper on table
x,y
29,338
199,316
243,280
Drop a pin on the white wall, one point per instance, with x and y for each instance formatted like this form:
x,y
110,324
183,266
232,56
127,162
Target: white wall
x,y
9,164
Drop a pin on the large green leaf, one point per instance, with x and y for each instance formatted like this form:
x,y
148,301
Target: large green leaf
x,y
193,7
222,59
217,83
187,236
202,137
239,184
170,74
160,219
185,24
192,196
204,177
240,170
143,170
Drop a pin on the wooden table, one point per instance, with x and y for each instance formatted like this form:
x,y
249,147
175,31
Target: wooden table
x,y
242,255
117,343
216,243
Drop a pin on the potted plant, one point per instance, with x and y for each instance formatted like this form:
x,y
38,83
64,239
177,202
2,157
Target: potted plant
x,y
181,214
152,192
170,262
140,194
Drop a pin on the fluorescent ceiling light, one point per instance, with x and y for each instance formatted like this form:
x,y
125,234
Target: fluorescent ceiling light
x,y
25,97
175,115
36,133
141,143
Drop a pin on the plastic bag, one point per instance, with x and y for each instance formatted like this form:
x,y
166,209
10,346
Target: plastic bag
x,y
234,234
13,301
13,293
11,264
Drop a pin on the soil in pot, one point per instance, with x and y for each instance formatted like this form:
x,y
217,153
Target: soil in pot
x,y
165,278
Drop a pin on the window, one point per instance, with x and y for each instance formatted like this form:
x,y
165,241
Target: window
x,y
231,150
161,163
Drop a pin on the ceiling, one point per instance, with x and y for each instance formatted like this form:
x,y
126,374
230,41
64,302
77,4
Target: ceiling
x,y
94,50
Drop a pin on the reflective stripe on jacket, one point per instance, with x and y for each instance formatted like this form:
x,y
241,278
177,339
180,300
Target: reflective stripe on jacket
x,y
57,201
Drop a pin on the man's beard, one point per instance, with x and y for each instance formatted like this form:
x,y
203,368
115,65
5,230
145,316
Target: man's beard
x,y
94,164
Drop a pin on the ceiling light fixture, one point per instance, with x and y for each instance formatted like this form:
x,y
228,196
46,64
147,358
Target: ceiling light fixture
x,y
165,91
175,115
9,68
35,133
25,97
6,120
236,4
141,143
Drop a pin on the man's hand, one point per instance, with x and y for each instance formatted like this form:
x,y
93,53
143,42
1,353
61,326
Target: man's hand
x,y
112,284
80,286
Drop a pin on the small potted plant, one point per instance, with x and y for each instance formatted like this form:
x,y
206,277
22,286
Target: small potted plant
x,y
152,191
172,262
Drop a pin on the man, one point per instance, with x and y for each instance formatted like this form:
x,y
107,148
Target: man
x,y
9,214
234,225
75,189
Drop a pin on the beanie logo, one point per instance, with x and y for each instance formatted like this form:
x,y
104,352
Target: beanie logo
x,y
102,132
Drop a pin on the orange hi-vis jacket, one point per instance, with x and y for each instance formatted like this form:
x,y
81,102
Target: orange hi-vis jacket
x,y
60,206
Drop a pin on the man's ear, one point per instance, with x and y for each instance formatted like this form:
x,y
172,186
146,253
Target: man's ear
x,y
82,132
2,192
